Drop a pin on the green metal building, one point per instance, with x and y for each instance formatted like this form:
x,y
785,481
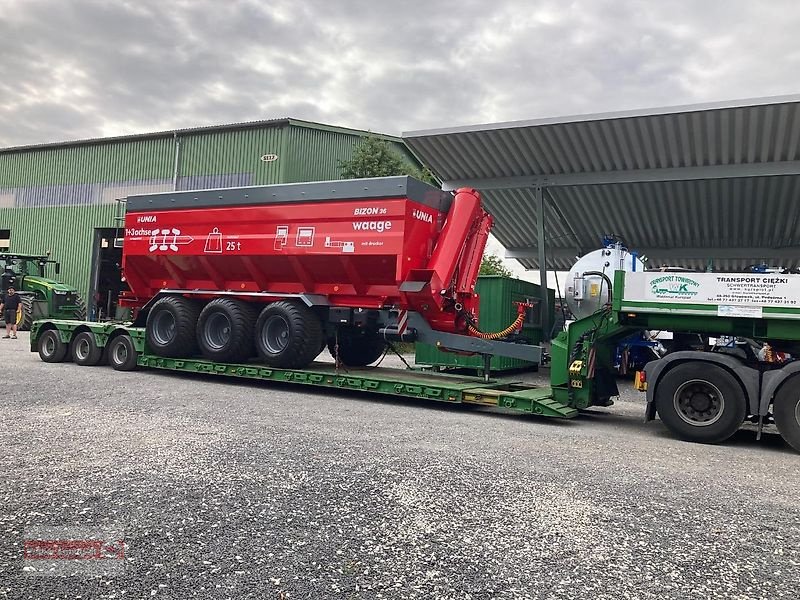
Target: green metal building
x,y
63,198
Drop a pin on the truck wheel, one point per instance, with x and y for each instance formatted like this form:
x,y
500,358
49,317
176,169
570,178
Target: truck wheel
x,y
786,410
25,313
288,335
357,348
51,348
170,328
84,349
122,355
226,329
700,402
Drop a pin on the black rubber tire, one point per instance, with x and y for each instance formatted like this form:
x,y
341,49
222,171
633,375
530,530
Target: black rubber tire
x,y
357,348
51,348
300,335
80,313
84,350
25,313
786,410
226,330
179,339
704,376
122,355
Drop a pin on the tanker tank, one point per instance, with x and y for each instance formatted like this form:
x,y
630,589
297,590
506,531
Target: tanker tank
x,y
590,279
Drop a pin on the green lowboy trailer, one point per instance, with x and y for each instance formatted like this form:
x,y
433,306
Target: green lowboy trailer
x,y
701,394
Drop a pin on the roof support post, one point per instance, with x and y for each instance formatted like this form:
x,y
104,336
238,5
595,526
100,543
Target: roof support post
x,y
544,303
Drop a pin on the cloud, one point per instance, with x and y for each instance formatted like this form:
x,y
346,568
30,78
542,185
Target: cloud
x,y
89,68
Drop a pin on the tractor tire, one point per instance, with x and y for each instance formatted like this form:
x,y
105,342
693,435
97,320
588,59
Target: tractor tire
x,y
357,348
288,335
786,411
25,313
80,313
170,328
51,348
226,330
122,355
700,402
84,350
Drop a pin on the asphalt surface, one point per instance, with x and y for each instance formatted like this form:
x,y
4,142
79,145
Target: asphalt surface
x,y
224,489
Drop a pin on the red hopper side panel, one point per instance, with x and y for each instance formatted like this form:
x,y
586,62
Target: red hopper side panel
x,y
354,250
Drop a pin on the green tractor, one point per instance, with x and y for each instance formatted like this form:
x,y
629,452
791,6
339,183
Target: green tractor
x,y
40,296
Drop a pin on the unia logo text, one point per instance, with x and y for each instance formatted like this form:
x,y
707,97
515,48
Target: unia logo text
x,y
422,215
674,286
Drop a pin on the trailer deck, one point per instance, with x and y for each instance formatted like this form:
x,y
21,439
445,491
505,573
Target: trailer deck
x,y
405,383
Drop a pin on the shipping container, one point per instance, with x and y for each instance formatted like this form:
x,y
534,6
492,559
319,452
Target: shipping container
x,y
498,310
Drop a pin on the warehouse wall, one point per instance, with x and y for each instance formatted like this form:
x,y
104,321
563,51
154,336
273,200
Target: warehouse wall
x,y
68,233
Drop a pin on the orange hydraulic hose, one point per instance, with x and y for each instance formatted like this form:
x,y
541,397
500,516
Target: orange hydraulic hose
x,y
515,326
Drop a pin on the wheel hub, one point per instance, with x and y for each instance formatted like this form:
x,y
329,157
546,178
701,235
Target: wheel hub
x,y
82,350
120,353
163,328
699,403
217,331
275,334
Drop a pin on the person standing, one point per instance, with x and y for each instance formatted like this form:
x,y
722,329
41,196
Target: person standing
x,y
9,308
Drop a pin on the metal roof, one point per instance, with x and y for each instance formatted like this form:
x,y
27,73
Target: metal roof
x,y
204,129
683,185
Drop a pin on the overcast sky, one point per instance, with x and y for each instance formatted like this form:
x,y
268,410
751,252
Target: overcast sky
x,y
74,69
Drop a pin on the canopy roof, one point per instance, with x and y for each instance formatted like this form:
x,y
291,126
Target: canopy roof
x,y
706,184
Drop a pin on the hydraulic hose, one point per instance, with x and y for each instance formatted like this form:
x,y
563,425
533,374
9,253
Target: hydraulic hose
x,y
514,327
605,277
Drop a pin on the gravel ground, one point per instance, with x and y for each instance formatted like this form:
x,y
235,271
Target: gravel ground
x,y
229,490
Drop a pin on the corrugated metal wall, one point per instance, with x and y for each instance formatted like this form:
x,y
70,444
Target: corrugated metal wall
x,y
314,153
53,198
236,155
65,166
68,233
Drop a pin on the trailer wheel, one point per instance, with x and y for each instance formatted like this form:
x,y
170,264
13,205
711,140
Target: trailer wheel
x,y
700,402
25,313
122,355
357,348
51,348
786,410
288,335
170,329
226,329
84,350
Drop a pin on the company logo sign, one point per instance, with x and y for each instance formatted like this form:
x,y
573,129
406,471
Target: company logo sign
x,y
673,287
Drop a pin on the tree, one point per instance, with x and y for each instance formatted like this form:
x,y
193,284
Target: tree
x,y
493,265
374,157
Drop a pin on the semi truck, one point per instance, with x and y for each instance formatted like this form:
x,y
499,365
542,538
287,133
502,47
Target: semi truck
x,y
256,282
